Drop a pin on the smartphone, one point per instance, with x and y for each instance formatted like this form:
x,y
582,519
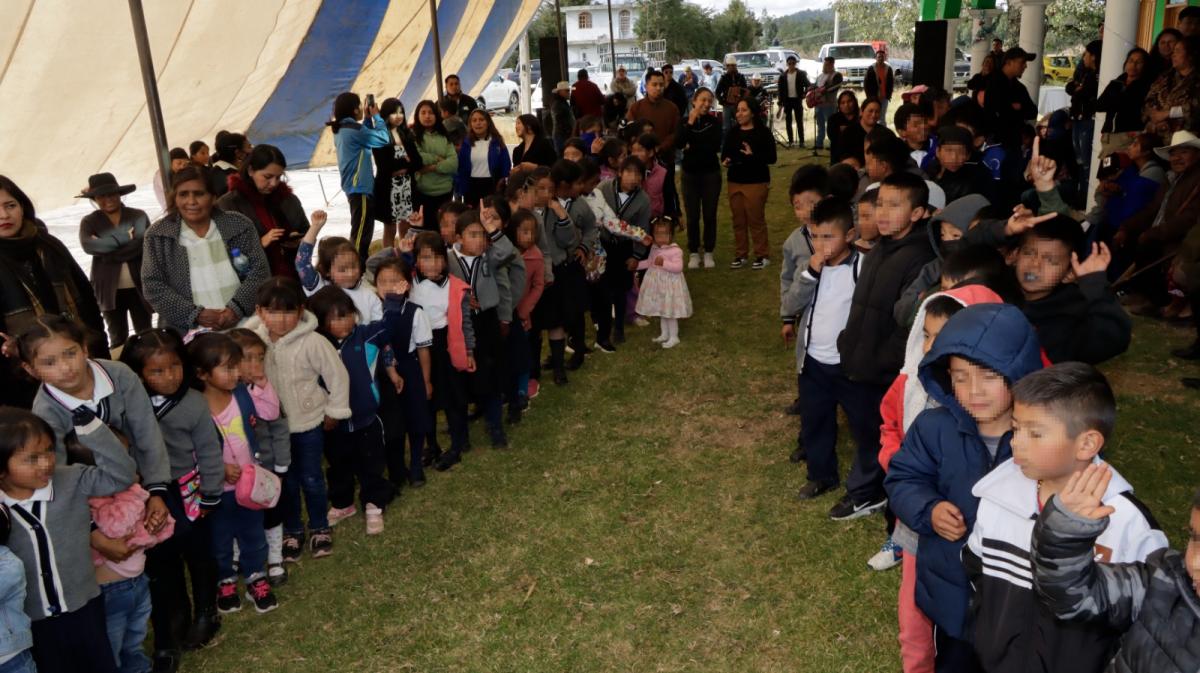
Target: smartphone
x,y
370,100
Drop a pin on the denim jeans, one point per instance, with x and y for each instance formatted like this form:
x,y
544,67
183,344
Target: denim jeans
x,y
233,522
822,114
127,617
22,663
308,449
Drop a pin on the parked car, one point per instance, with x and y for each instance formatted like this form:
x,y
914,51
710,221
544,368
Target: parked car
x,y
904,72
1057,68
500,94
779,57
852,59
635,68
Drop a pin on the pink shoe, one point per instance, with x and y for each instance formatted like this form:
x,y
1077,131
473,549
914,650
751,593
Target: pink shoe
x,y
335,514
534,387
374,520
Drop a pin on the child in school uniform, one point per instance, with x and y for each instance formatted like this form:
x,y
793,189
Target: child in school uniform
x,y
623,214
51,528
446,301
16,655
522,230
273,438
314,393
338,264
477,259
159,357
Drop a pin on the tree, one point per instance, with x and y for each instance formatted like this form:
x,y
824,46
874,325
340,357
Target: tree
x,y
541,26
687,28
889,20
1071,24
735,29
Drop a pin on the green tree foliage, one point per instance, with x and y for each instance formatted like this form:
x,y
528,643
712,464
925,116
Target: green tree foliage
x,y
806,31
1071,24
736,29
889,20
687,28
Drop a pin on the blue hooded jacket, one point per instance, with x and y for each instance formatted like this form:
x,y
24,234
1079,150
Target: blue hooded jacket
x,y
943,455
354,142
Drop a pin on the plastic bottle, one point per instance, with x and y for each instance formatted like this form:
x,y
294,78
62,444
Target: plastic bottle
x,y
241,265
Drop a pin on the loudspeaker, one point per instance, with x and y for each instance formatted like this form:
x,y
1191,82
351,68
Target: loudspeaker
x,y
929,56
552,72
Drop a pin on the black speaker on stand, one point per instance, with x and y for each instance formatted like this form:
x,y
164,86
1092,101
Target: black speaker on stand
x,y
552,72
929,56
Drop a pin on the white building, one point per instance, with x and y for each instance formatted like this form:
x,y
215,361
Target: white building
x,y
587,31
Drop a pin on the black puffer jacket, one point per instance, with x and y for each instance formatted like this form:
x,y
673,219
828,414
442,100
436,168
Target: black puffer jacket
x,y
1153,602
872,345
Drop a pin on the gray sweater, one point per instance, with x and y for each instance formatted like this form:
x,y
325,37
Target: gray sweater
x,y
167,281
561,238
489,279
60,528
193,444
128,410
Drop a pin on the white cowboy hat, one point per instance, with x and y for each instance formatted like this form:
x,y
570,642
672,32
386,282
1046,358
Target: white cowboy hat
x,y
1178,139
563,86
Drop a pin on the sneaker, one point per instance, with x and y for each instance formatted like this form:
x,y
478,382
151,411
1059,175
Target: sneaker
x,y
737,263
534,388
671,343
259,593
293,546
694,261
321,544
605,347
641,322
276,574
814,489
847,509
760,264
709,262
374,520
887,557
337,514
227,597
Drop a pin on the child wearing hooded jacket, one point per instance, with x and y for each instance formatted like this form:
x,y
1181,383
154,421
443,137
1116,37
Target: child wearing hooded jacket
x,y
314,394
980,353
1062,417
904,401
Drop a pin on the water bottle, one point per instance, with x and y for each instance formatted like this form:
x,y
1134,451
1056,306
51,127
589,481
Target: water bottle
x,y
241,265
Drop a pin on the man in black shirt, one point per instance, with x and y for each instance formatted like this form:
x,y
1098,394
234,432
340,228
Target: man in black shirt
x,y
674,91
793,85
1007,101
464,103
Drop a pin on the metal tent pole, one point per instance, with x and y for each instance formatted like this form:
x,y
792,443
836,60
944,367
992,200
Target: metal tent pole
x,y
437,47
153,106
562,42
612,42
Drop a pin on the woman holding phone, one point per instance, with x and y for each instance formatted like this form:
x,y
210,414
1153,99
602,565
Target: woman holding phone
x,y
355,133
259,192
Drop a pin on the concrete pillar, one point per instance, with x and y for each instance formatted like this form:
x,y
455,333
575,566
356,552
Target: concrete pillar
x,y
981,36
1120,35
1033,39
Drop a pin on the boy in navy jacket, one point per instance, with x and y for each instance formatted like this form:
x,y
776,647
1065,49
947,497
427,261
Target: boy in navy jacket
x,y
981,352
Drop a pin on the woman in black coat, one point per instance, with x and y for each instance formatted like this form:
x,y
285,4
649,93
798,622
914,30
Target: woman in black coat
x,y
38,276
845,118
395,165
258,191
1124,97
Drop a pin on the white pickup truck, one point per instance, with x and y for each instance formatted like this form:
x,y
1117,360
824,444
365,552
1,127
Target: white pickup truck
x,y
852,59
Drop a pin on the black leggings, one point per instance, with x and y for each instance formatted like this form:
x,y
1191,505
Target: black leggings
x,y
188,548
701,195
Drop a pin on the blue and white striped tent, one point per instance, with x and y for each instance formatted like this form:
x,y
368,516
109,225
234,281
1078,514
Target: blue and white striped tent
x,y
74,103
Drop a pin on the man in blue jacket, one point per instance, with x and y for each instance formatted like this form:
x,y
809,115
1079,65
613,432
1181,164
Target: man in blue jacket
x,y
969,373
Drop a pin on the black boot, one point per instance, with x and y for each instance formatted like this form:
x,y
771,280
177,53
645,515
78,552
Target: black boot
x,y
557,354
204,628
166,661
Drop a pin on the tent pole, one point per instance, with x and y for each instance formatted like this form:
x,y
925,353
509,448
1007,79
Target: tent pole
x,y
437,48
612,43
562,42
153,106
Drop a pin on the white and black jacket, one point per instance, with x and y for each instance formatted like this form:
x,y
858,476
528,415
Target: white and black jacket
x,y
799,291
1014,631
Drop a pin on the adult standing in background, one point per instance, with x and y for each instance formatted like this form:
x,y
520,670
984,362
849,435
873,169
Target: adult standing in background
x,y
665,117
201,266
827,85
463,104
689,82
709,78
482,160
357,129
533,147
623,85
1007,103
793,85
396,164
259,192
880,83
38,276
586,97
439,161
748,152
674,91
731,88
112,234
701,141
840,122
231,150
1172,102
562,120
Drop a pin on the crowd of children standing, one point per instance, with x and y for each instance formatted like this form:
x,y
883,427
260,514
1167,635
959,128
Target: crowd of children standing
x,y
178,483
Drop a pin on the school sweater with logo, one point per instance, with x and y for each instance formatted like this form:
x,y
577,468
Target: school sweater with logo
x,y
1014,631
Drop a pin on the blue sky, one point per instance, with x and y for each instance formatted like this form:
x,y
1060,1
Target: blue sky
x,y
773,7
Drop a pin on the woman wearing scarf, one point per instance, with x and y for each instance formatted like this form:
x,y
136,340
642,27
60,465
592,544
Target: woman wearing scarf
x,y
259,192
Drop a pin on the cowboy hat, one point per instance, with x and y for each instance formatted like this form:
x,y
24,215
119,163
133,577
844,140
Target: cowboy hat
x,y
915,91
731,60
1178,139
104,184
563,86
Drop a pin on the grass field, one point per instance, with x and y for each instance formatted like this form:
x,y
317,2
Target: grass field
x,y
644,520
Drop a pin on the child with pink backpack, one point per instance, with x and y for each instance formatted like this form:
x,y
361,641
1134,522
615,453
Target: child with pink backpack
x,y
249,487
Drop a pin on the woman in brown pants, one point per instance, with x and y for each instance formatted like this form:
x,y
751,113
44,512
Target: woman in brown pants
x,y
748,153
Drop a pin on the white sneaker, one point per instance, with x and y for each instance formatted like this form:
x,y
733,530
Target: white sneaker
x,y
888,556
709,262
671,343
694,261
659,339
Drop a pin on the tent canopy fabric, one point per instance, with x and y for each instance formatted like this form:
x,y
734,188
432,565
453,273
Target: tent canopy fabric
x,y
75,104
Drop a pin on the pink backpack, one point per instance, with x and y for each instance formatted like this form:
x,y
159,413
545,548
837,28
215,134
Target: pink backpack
x,y
257,488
